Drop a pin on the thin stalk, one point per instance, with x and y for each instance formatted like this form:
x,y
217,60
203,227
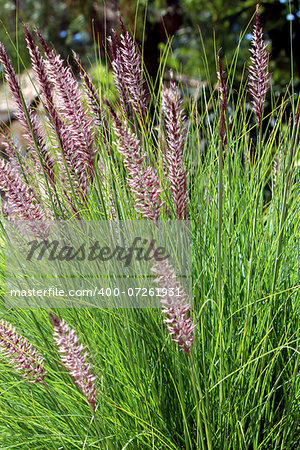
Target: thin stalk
x,y
200,438
187,439
220,284
254,223
100,194
200,402
100,435
96,422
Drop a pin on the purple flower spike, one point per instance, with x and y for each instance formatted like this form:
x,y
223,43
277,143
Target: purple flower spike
x,y
21,353
143,182
175,137
33,132
259,77
23,201
72,124
176,308
75,359
128,73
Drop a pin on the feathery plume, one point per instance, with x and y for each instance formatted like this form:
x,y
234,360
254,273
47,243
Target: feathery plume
x,y
34,136
128,72
259,77
143,183
22,200
74,358
38,65
39,68
77,133
176,308
13,83
55,122
21,353
146,189
114,49
224,99
175,136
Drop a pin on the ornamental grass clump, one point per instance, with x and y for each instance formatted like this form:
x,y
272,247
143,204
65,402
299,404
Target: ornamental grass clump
x,y
67,160
21,354
170,378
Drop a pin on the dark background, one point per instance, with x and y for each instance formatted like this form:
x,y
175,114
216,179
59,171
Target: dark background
x,y
78,24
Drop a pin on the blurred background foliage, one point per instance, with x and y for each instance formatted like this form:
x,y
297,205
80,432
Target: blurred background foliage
x,y
188,24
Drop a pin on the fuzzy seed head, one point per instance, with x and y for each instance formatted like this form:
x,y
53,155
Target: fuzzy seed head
x,y
175,134
175,308
75,359
128,73
21,354
259,77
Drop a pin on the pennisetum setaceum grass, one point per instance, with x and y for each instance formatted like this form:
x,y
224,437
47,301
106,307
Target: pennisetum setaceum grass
x,y
210,159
